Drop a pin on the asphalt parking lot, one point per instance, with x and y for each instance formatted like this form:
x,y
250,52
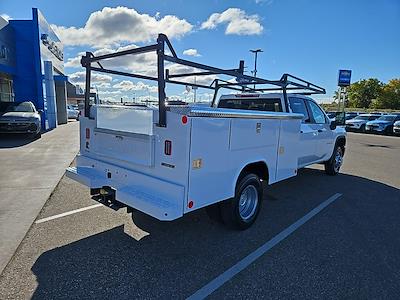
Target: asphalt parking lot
x,y
350,249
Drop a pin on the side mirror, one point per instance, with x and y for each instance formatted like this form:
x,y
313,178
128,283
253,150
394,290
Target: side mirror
x,y
40,111
333,125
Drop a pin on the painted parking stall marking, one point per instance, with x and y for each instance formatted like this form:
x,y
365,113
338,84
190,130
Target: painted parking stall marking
x,y
217,282
67,213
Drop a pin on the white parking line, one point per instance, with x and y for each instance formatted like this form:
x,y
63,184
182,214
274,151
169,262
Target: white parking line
x,y
217,282
67,213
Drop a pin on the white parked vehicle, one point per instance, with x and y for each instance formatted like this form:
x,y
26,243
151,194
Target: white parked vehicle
x,y
396,127
173,160
72,112
359,122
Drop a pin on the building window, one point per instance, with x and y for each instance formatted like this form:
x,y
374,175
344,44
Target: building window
x,y
6,88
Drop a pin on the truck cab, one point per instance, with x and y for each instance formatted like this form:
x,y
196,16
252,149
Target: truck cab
x,y
318,134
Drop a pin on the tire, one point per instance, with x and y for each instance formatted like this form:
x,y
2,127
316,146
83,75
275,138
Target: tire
x,y
241,211
389,130
37,135
332,166
362,128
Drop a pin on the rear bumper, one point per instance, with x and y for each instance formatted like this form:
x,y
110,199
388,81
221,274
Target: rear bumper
x,y
156,197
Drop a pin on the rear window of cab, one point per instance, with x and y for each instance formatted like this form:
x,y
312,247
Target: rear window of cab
x,y
263,104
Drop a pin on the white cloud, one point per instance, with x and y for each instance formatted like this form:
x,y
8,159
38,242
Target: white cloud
x,y
121,24
79,78
191,52
145,64
127,85
238,22
141,63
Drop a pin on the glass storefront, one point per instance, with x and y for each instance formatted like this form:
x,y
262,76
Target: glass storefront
x,y
6,88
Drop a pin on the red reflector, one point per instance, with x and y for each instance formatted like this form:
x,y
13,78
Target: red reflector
x,y
184,119
88,133
168,147
190,204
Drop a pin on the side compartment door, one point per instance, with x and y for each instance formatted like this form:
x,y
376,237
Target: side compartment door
x,y
308,135
320,123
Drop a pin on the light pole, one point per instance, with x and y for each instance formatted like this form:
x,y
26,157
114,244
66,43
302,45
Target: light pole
x,y
255,51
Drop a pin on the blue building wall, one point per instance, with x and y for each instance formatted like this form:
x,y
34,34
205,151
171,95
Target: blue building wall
x,y
7,48
30,53
26,86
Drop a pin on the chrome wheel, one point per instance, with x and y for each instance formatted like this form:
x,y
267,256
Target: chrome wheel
x,y
338,159
248,202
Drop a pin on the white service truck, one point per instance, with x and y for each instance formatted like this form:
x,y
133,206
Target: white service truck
x,y
170,160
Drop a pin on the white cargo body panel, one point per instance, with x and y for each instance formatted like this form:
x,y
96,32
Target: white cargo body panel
x,y
207,149
227,143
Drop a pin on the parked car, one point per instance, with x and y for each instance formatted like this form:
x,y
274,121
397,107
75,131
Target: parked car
x,y
396,127
383,124
20,118
358,123
73,113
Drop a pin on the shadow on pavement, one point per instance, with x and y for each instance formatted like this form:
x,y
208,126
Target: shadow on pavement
x,y
179,257
15,140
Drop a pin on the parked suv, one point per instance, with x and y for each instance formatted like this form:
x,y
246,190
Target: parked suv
x,y
383,124
20,118
396,127
358,123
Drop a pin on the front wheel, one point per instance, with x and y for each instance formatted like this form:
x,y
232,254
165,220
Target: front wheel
x,y
332,166
241,211
362,128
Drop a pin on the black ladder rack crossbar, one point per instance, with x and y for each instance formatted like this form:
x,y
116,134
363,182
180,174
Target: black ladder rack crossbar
x,y
242,82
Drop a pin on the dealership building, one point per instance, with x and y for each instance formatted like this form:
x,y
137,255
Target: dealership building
x,y
32,67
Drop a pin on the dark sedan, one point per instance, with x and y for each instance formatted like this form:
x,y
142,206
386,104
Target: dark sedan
x,y
20,118
383,124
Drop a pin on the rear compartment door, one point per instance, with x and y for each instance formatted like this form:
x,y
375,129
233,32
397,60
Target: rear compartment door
x,y
123,134
130,147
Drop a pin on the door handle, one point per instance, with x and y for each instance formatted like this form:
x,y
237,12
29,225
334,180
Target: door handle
x,y
321,130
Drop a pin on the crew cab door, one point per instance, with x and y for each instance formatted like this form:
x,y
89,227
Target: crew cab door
x,y
321,124
307,150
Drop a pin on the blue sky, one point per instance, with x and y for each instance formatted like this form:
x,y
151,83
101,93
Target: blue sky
x,y
308,38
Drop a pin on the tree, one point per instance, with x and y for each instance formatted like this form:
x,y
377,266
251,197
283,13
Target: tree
x,y
362,93
389,96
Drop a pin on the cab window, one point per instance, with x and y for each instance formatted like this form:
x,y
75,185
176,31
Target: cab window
x,y
261,104
317,113
299,107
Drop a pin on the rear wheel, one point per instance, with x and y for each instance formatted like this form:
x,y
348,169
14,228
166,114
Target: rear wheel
x,y
332,166
241,211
